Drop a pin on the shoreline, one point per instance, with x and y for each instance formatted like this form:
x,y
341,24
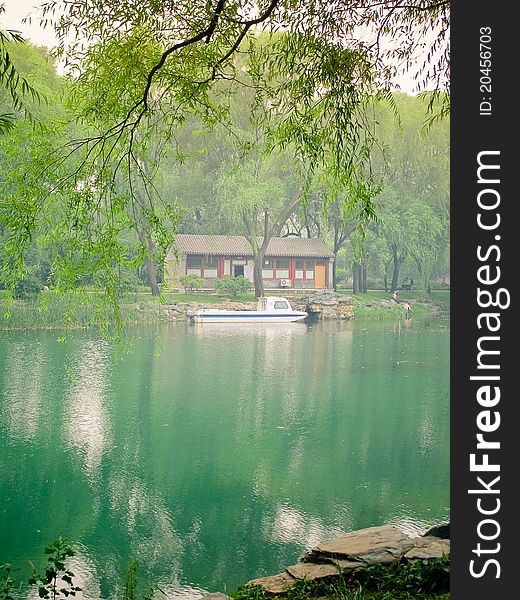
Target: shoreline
x,y
52,311
365,560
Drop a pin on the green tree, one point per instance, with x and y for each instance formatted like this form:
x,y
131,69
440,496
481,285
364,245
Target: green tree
x,y
413,206
28,187
12,81
148,68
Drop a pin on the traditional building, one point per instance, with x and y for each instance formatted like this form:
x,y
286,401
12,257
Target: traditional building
x,y
291,262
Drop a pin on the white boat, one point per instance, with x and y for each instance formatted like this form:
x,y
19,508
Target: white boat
x,y
271,309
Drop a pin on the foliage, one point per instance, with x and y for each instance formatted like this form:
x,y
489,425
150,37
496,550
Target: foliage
x,y
341,274
27,288
289,108
154,66
399,581
233,285
129,282
130,585
187,46
6,583
191,282
411,232
11,80
76,310
429,577
56,574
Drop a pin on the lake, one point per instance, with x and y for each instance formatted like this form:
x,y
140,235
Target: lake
x,y
214,454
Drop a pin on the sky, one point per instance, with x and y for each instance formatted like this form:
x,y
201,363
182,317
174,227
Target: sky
x,y
15,11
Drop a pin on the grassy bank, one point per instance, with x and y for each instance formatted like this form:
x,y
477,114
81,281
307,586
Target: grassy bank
x,y
82,311
381,305
86,309
429,580
399,581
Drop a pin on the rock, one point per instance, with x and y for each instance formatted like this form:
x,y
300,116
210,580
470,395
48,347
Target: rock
x,y
311,571
329,306
372,545
442,530
428,548
345,311
276,584
215,596
347,566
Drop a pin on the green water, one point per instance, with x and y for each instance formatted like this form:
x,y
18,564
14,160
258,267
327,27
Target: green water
x,y
218,453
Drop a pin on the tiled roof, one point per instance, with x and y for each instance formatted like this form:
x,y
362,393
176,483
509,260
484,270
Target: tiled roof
x,y
237,245
296,246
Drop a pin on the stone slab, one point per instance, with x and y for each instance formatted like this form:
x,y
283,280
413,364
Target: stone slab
x,y
276,584
369,545
312,571
428,548
347,566
358,549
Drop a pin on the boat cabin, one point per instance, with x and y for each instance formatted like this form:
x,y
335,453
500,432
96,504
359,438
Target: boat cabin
x,y
273,303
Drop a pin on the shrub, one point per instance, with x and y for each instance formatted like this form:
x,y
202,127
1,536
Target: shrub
x,y
191,282
57,581
28,288
233,285
341,275
129,282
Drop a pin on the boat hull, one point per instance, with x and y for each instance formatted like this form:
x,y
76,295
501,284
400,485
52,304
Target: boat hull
x,y
245,316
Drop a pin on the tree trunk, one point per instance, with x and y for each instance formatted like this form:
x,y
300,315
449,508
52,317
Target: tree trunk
x,y
395,274
269,232
364,288
355,279
151,270
143,233
385,274
259,253
257,274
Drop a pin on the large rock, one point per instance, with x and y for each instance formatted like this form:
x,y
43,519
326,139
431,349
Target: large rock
x,y
312,571
276,584
442,530
428,548
355,550
327,305
373,545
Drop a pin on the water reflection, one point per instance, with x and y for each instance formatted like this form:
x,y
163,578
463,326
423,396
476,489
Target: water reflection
x,y
148,521
87,425
226,455
22,389
292,526
269,331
